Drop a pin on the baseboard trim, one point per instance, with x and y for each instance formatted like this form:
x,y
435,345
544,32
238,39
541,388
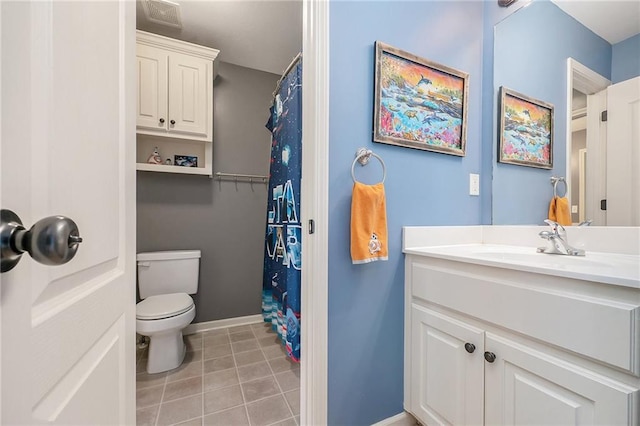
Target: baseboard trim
x,y
227,322
401,419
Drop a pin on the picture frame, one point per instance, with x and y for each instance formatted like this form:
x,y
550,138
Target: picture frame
x,y
525,130
419,103
185,160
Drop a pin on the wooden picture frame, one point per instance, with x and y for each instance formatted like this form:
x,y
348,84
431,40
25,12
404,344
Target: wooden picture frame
x,y
525,130
419,103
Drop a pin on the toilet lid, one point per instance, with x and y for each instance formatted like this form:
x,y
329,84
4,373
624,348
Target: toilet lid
x,y
163,306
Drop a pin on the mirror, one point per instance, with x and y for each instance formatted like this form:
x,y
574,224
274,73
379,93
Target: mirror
x,y
531,51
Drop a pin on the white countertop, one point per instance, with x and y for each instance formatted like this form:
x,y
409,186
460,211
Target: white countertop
x,y
610,268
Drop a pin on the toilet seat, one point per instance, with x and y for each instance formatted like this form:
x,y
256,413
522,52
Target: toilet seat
x,y
163,306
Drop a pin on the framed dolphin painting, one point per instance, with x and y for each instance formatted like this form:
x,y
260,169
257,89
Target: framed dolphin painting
x,y
419,103
526,130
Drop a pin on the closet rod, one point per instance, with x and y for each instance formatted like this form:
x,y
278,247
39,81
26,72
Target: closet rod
x,y
236,176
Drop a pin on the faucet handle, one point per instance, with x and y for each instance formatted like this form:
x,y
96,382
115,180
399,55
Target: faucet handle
x,y
586,222
556,227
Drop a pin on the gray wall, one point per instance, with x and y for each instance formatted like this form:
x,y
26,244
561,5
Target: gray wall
x,y
224,220
578,142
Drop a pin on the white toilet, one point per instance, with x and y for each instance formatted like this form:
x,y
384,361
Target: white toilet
x,y
165,280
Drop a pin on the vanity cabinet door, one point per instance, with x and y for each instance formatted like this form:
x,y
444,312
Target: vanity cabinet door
x,y
528,387
447,369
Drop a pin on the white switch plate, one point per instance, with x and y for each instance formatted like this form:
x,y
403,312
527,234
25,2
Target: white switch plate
x,y
574,209
474,184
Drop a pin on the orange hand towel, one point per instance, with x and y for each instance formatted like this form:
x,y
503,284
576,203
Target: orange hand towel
x,y
559,211
368,223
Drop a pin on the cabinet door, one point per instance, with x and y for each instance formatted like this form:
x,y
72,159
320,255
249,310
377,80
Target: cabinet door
x,y
447,381
190,95
152,89
528,387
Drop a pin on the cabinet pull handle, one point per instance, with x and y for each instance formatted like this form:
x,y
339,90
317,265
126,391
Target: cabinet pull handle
x,y
489,357
161,120
172,122
470,347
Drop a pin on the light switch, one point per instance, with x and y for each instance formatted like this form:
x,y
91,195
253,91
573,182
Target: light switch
x,y
474,184
574,208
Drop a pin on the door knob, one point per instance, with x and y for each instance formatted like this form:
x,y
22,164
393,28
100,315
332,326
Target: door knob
x,y
51,241
469,347
489,357
161,120
172,122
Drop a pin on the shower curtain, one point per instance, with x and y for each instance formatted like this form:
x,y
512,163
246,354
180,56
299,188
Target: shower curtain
x,y
282,255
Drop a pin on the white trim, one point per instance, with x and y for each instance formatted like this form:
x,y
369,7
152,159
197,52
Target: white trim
x,y
314,205
223,323
401,419
587,81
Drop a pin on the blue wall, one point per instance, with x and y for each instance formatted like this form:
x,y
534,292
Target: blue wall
x,y
536,41
626,59
423,188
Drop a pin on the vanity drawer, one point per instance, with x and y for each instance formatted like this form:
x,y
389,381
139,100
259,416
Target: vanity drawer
x,y
602,329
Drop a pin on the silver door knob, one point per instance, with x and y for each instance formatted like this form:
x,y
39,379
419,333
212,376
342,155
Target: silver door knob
x,y
51,241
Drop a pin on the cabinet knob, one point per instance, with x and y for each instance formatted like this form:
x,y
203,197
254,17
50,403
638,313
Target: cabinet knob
x,y
161,120
172,122
470,347
489,357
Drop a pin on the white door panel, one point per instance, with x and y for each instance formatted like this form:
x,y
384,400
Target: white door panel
x,y
152,88
68,148
527,387
447,383
190,79
623,153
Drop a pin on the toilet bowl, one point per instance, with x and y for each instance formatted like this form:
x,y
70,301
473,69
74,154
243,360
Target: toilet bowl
x,y
166,310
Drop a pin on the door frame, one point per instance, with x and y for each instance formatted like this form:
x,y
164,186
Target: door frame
x,y
314,206
587,81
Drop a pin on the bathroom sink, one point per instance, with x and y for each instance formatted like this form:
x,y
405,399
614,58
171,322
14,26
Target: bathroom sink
x,y
559,261
610,268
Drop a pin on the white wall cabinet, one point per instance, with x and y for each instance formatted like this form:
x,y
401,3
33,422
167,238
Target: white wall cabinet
x,y
496,347
174,101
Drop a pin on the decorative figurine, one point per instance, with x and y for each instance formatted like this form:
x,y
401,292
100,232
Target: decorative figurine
x,y
155,158
168,162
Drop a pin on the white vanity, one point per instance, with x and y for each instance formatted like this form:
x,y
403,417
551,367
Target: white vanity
x,y
498,334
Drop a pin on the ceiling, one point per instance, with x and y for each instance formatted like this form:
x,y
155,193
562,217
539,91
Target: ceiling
x,y
612,20
267,34
260,34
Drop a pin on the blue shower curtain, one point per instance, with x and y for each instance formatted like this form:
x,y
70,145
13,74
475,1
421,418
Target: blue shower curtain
x,y
282,255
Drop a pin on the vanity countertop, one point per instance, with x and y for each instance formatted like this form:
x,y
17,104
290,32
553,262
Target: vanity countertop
x,y
609,268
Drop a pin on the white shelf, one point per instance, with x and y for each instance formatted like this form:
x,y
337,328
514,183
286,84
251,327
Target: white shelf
x,y
173,169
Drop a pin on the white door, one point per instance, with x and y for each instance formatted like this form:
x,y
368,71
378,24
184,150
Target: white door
x,y
527,387
68,138
447,380
152,87
190,106
613,160
623,153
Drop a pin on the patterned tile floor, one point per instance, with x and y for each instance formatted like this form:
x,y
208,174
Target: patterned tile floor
x,y
231,376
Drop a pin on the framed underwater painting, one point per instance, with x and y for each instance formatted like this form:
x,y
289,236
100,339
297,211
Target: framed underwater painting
x,y
526,130
419,103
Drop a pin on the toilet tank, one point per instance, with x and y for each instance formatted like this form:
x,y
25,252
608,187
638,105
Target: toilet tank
x,y
164,272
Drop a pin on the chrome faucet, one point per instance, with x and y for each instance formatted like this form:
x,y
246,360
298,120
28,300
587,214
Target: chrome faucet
x,y
557,241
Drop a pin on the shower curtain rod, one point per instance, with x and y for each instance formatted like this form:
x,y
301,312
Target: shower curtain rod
x,y
286,71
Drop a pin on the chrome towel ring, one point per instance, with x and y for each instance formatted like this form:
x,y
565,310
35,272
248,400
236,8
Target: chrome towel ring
x,y
554,182
363,156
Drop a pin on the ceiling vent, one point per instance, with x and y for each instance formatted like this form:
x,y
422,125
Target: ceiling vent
x,y
163,12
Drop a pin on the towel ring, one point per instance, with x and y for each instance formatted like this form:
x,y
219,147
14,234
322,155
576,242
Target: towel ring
x,y
554,181
363,156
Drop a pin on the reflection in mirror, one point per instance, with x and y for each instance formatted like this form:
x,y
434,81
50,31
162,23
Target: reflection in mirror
x,y
532,48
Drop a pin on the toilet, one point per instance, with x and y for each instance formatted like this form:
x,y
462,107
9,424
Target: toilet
x,y
165,281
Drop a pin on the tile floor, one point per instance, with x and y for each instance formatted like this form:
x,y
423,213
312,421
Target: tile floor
x,y
231,376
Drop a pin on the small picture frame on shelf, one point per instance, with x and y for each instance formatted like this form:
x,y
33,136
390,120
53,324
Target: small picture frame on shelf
x,y
185,160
